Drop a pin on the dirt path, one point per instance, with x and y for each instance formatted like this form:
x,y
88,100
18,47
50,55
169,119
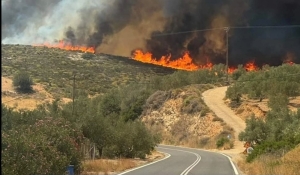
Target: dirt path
x,y
214,100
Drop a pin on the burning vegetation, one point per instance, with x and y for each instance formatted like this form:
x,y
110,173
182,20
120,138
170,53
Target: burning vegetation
x,y
162,32
67,46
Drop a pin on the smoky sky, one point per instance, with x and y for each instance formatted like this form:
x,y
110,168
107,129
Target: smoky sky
x,y
121,26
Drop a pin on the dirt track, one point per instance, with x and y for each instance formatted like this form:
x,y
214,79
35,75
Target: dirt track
x,y
214,100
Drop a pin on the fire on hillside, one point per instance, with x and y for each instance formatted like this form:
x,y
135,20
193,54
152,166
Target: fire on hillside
x,y
183,63
67,46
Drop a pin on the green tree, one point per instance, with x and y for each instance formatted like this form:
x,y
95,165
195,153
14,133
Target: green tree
x,y
133,101
99,130
23,82
256,130
238,72
279,102
110,105
46,147
143,140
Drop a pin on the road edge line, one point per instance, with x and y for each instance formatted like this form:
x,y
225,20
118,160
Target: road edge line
x,y
232,164
166,157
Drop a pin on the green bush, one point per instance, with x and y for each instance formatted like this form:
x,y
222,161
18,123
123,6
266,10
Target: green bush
x,y
279,130
46,147
276,148
87,56
222,141
267,82
23,82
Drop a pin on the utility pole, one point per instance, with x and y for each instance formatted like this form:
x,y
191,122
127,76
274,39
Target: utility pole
x,y
73,95
227,73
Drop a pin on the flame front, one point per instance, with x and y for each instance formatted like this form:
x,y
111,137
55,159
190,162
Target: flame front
x,y
183,63
66,46
250,66
231,69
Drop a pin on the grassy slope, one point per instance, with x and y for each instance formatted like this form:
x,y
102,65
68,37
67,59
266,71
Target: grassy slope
x,y
54,68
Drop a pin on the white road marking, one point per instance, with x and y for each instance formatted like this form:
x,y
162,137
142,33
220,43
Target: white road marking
x,y
188,169
232,164
168,155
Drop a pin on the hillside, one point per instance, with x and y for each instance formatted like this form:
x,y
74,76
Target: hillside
x,y
54,69
171,106
258,108
183,118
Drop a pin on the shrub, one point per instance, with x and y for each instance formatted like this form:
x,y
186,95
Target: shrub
x,y
46,147
222,141
276,148
23,82
87,56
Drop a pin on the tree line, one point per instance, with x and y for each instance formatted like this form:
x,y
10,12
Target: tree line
x,y
279,131
49,138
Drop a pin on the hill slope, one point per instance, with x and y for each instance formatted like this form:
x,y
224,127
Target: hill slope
x,y
55,68
183,118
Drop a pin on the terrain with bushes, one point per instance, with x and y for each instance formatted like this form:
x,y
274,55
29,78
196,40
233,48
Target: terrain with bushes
x,y
276,130
104,113
125,108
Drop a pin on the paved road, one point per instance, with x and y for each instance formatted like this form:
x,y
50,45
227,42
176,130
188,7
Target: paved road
x,y
183,161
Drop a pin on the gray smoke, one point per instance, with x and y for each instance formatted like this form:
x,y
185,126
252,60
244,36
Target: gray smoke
x,y
121,26
39,21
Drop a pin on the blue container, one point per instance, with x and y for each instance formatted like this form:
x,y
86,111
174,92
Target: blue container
x,y
71,170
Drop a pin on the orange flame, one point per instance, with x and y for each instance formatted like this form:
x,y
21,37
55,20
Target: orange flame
x,y
231,69
250,66
288,62
66,46
183,63
288,59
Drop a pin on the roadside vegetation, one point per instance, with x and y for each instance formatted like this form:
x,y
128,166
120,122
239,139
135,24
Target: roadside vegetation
x,y
279,131
54,135
110,96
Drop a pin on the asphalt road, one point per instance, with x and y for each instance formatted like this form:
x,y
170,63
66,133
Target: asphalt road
x,y
183,161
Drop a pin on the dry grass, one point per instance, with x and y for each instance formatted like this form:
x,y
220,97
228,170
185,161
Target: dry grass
x,y
289,164
105,166
19,101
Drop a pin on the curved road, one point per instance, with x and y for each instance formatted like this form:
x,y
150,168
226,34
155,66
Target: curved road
x,y
183,161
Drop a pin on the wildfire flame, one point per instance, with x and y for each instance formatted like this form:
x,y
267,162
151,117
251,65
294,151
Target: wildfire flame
x,y
66,46
183,63
288,62
250,66
289,58
231,69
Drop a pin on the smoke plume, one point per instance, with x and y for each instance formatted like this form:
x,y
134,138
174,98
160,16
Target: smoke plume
x,y
121,26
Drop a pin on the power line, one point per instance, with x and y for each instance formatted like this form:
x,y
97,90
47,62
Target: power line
x,y
188,31
255,27
290,75
224,28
